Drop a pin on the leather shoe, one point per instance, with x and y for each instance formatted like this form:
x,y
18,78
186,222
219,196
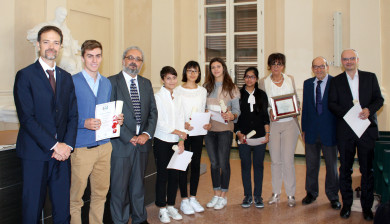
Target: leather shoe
x,y
144,222
335,204
345,212
367,215
308,199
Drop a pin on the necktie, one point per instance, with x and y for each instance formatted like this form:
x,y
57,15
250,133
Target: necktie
x,y
319,98
51,79
135,101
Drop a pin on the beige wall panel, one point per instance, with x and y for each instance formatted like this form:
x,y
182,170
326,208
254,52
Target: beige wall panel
x,y
33,13
103,8
85,26
138,30
384,117
7,37
273,29
186,29
323,29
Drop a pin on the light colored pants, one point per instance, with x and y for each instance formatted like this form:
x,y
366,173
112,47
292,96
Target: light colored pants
x,y
283,140
95,164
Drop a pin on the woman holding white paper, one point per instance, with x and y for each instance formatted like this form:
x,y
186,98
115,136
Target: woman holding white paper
x,y
222,97
193,98
169,132
284,132
253,119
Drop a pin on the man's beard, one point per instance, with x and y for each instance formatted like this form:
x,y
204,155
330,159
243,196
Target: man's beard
x,y
130,71
54,56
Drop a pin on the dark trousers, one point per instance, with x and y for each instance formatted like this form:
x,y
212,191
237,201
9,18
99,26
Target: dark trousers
x,y
258,168
193,144
365,149
37,176
313,162
127,187
167,180
218,146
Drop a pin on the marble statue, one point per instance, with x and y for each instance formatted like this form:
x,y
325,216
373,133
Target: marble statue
x,y
69,58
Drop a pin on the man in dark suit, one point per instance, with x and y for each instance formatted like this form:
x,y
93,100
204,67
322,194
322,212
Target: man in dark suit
x,y
319,132
47,110
130,150
348,88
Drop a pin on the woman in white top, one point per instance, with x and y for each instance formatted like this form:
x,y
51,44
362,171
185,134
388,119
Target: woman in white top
x,y
284,132
193,98
169,132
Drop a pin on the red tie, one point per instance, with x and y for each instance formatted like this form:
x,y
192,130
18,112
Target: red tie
x,y
51,79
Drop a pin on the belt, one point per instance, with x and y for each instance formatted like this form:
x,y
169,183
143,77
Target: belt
x,y
91,147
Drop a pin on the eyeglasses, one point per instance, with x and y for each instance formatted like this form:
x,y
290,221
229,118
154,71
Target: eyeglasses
x,y
318,66
349,59
192,71
277,64
250,77
131,58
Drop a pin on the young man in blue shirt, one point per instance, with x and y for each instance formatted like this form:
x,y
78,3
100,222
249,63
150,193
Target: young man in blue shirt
x,y
91,158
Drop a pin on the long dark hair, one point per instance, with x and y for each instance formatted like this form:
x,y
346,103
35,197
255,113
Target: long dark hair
x,y
259,104
227,84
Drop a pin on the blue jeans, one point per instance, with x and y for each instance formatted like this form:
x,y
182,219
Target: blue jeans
x,y
218,146
258,168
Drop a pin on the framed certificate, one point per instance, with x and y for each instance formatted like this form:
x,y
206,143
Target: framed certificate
x,y
284,106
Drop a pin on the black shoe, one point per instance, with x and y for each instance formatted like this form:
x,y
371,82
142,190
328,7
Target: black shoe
x,y
345,212
246,203
367,214
259,202
335,204
144,222
308,199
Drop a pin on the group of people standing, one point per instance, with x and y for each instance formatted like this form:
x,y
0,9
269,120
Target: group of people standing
x,y
56,114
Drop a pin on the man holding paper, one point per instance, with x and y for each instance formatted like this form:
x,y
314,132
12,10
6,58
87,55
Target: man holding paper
x,y
130,151
348,88
91,158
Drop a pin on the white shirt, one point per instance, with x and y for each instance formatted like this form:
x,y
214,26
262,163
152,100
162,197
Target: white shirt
x,y
170,116
191,99
354,85
286,88
47,67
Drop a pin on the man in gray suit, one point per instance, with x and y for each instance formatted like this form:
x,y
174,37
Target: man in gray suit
x,y
130,150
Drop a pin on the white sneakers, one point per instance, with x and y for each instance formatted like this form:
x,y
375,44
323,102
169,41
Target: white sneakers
x,y
196,205
217,203
172,212
220,203
213,202
190,206
186,208
163,215
167,212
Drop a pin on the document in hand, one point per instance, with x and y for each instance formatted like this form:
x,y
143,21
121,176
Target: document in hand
x,y
198,120
180,161
107,113
216,116
358,125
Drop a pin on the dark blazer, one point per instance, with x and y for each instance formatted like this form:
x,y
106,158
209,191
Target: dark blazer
x,y
315,125
120,91
44,118
341,101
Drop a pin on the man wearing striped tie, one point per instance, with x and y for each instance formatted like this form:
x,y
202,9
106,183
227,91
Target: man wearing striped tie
x,y
130,150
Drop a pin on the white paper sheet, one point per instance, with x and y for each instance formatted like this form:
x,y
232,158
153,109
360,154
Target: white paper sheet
x,y
358,125
180,161
216,116
107,113
255,141
198,120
